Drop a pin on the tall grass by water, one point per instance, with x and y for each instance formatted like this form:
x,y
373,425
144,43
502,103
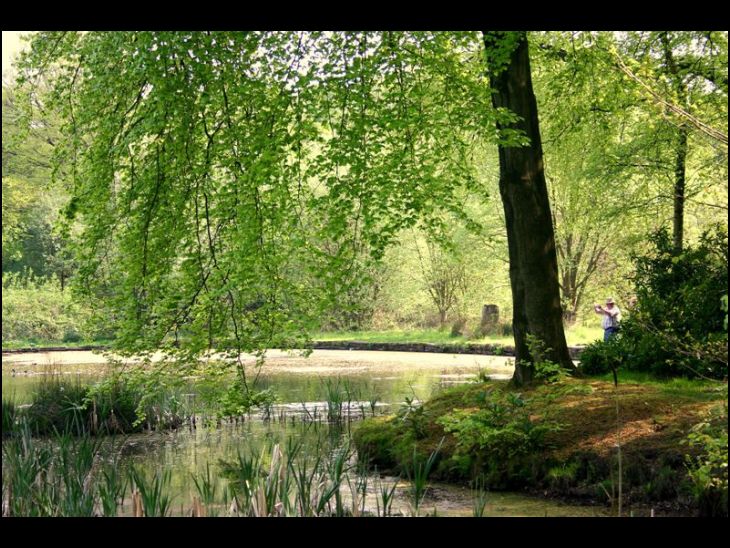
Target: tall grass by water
x,y
62,476
59,404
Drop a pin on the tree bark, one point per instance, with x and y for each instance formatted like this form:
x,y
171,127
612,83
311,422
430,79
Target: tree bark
x,y
530,236
681,150
679,183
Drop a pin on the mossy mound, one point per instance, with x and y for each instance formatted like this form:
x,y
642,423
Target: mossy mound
x,y
561,439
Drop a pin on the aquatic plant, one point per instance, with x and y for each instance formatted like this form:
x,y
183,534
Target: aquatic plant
x,y
151,496
418,471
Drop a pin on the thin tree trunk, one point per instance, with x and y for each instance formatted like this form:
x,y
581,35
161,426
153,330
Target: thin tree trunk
x,y
530,235
681,151
679,182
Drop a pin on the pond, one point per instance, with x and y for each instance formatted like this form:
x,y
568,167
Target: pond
x,y
375,382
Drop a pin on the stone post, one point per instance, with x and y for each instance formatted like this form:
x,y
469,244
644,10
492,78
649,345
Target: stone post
x,y
490,319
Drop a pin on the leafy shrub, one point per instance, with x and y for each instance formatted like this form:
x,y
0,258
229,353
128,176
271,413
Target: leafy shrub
x,y
238,400
683,292
35,309
546,371
708,469
411,413
677,326
598,358
500,436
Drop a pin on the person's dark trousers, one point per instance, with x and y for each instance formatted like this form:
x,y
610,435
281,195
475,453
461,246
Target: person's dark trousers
x,y
609,332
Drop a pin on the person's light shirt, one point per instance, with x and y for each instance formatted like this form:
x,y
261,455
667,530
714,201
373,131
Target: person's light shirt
x,y
611,319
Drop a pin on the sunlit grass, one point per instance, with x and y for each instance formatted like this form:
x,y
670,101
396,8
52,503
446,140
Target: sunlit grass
x,y
578,335
688,388
391,336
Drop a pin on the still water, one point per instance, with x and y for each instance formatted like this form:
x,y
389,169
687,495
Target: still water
x,y
375,382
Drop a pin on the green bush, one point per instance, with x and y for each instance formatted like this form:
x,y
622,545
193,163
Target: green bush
x,y
598,358
238,400
677,327
500,437
35,309
708,468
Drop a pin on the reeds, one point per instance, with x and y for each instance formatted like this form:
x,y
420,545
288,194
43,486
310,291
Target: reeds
x,y
55,477
151,496
62,405
479,495
386,495
418,471
284,481
10,414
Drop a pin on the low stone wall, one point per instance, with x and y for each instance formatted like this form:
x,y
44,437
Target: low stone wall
x,y
468,348
88,348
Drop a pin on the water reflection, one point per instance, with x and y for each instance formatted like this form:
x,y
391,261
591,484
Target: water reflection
x,y
188,452
366,389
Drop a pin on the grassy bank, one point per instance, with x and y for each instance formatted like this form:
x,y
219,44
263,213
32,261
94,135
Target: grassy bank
x,y
45,344
575,336
569,440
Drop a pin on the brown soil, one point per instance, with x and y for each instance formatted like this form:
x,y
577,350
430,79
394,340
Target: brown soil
x,y
651,421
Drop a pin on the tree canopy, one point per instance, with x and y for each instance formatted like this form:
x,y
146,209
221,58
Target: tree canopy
x,y
231,186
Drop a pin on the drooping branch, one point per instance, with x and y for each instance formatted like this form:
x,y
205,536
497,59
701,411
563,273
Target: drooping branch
x,y
679,111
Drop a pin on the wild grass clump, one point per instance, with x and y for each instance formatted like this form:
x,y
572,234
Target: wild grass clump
x,y
341,398
60,405
63,476
57,405
418,471
284,481
10,413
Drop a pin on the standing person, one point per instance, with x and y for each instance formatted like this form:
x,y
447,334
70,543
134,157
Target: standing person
x,y
611,318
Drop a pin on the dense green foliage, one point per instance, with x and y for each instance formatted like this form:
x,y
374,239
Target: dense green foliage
x,y
500,433
243,206
561,439
36,310
113,406
677,326
30,200
708,467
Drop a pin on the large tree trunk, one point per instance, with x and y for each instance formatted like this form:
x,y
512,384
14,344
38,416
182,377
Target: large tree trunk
x,y
533,261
